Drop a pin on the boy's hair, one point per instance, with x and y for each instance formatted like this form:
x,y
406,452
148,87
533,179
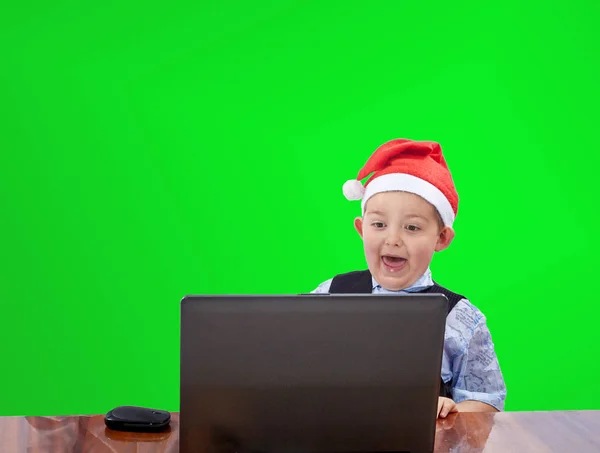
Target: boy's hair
x,y
439,220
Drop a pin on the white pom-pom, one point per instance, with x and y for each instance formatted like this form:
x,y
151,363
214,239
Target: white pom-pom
x,y
353,189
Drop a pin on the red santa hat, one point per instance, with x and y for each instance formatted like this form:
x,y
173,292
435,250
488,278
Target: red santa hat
x,y
409,166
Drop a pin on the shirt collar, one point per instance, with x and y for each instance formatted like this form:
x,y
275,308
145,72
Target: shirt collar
x,y
423,282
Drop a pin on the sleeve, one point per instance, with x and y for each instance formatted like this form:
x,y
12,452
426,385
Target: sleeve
x,y
476,372
323,288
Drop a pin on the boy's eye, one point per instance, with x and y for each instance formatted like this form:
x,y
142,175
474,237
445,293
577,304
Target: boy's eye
x,y
378,224
413,228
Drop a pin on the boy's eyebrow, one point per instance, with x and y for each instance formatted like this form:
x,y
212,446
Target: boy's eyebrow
x,y
375,212
410,215
420,216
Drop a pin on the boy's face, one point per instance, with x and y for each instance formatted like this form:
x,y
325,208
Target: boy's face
x,y
400,231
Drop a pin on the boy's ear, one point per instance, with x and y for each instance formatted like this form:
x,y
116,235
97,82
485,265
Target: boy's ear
x,y
444,239
358,224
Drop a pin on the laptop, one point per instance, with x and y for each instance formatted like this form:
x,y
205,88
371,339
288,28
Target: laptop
x,y
310,373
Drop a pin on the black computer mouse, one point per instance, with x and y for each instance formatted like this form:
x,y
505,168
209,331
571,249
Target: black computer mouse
x,y
138,419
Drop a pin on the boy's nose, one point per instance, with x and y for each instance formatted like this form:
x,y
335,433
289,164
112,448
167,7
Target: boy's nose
x,y
394,239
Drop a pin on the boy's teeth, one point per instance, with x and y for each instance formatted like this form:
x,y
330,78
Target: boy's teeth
x,y
393,260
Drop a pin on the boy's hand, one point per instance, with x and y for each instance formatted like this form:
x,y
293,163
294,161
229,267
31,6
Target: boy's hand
x,y
445,406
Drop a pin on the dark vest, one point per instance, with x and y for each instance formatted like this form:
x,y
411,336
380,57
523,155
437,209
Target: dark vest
x,y
360,282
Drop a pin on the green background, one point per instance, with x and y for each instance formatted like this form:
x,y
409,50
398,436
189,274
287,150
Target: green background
x,y
148,152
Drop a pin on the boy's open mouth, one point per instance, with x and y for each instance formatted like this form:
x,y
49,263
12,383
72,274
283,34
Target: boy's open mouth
x,y
393,263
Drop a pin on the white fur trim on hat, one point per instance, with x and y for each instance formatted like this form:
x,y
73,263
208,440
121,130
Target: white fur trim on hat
x,y
353,189
409,183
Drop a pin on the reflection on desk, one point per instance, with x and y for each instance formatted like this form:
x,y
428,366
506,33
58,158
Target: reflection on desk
x,y
561,431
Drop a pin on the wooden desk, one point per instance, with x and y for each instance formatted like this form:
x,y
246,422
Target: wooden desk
x,y
561,432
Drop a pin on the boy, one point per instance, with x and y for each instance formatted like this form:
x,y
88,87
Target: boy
x,y
408,207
